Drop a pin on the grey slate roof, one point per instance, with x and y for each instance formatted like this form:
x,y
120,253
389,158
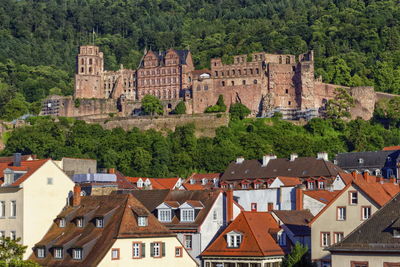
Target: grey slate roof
x,y
296,220
371,159
375,234
161,55
302,167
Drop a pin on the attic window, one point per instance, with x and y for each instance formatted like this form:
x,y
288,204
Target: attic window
x,y
58,253
234,239
164,215
360,160
192,181
62,223
41,252
142,221
187,215
99,222
79,222
396,233
77,253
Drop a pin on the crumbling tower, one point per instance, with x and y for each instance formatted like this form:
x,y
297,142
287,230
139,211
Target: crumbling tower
x,y
89,70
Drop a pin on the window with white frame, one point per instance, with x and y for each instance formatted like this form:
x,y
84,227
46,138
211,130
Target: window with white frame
x,y
192,181
40,252
338,237
353,198
77,253
156,250
136,253
115,254
2,209
282,239
321,184
13,235
234,239
341,213
187,215
310,185
140,183
366,212
204,181
188,241
58,253
99,222
62,222
325,239
13,208
256,186
142,220
245,186
79,222
164,215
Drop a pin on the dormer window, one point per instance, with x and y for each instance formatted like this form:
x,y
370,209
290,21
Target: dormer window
x,y
360,160
245,186
142,221
192,181
140,183
234,239
187,215
164,215
58,253
396,232
79,222
61,223
77,253
41,252
204,181
99,222
8,177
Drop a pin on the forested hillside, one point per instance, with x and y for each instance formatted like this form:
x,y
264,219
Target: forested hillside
x,y
356,42
149,153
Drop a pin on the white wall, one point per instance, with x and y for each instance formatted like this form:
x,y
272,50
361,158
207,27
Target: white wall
x,y
312,204
284,198
338,183
8,223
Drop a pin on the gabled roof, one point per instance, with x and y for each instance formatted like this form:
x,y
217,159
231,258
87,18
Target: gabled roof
x,y
296,220
301,167
189,186
289,181
200,176
370,159
156,183
29,167
323,196
388,148
257,240
122,209
182,54
151,199
375,234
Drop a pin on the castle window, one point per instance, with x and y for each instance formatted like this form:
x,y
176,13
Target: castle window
x,y
169,80
148,72
158,81
227,73
233,72
239,72
158,71
222,73
163,71
223,83
174,71
244,82
280,60
287,91
232,83
82,61
163,80
82,70
169,94
245,71
90,69
90,61
287,60
289,103
255,81
205,87
215,63
216,74
142,73
251,71
294,68
198,88
174,79
169,71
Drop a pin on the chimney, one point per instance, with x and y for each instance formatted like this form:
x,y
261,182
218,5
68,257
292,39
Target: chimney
x,y
76,201
379,179
111,170
299,198
293,156
229,203
392,180
354,174
17,160
266,159
322,155
270,206
239,160
369,178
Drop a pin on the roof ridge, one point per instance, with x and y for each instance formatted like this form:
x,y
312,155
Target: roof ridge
x,y
251,230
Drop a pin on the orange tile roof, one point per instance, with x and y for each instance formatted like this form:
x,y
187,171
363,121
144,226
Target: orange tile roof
x,y
163,183
289,181
386,148
29,166
257,229
323,196
200,176
189,186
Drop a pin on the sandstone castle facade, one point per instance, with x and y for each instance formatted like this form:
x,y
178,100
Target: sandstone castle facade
x,y
265,83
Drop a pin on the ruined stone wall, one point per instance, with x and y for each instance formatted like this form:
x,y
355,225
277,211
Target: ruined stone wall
x,y
282,86
85,107
365,99
205,123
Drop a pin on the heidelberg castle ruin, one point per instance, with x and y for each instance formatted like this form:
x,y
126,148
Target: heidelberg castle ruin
x,y
265,83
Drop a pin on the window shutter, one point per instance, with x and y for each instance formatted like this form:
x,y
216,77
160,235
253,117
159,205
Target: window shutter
x,y
163,249
151,249
143,250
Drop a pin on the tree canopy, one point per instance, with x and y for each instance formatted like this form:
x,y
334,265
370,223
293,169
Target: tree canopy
x,y
151,105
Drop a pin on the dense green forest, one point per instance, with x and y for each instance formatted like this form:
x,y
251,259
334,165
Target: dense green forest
x,y
149,153
355,42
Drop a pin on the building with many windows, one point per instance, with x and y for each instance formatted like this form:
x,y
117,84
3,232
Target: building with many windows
x,y
112,230
32,193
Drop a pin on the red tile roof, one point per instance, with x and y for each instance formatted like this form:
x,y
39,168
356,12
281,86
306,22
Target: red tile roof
x,y
391,148
323,196
29,166
257,240
289,181
189,186
164,183
200,176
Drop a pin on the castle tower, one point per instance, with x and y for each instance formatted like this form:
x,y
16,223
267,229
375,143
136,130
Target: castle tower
x,y
307,81
89,70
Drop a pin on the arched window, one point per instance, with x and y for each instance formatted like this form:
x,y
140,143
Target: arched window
x,y
239,72
232,83
233,72
82,61
223,83
280,60
287,60
90,61
82,70
216,74
255,81
257,71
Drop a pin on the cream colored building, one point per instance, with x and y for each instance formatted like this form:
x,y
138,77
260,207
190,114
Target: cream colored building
x,y
169,255
351,207
31,195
